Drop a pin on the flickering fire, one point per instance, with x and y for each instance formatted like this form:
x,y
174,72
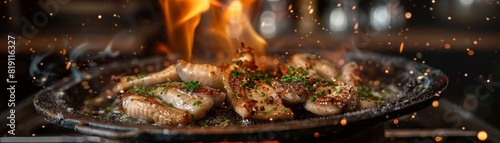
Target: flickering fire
x,y
227,28
181,19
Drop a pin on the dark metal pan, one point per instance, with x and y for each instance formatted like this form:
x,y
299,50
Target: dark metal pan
x,y
420,85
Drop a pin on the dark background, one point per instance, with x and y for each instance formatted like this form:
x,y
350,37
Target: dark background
x,y
77,22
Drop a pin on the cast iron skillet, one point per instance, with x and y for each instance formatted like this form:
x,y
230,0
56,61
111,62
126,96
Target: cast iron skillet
x,y
420,85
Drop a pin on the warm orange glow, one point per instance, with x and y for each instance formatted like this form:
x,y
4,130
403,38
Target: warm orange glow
x,y
181,19
482,135
401,47
162,49
316,134
435,103
343,122
438,138
231,26
227,25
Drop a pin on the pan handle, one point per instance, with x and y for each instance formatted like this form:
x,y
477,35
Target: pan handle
x,y
107,131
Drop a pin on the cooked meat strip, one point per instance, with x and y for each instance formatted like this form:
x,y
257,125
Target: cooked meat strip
x,y
314,65
351,74
209,75
251,95
127,82
193,97
152,110
292,93
330,99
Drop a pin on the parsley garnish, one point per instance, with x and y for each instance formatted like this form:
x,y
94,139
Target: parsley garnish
x,y
138,89
168,82
191,85
364,91
235,73
150,93
314,97
197,103
420,86
142,75
108,109
295,75
168,104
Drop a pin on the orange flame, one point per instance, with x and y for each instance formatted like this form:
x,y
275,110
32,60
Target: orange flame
x,y
228,26
181,19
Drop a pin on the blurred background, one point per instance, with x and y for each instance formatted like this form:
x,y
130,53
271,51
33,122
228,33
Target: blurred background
x,y
462,38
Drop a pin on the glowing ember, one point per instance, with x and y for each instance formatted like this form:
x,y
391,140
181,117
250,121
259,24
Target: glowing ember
x,y
68,65
447,46
395,121
343,122
438,138
401,47
470,52
482,135
435,103
316,134
408,15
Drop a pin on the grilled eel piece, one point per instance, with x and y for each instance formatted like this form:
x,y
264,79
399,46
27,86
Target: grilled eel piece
x,y
252,96
152,110
163,76
171,103
191,96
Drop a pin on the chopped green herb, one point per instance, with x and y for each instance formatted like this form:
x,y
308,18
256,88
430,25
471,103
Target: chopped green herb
x,y
129,79
420,86
286,79
196,103
323,93
168,104
158,85
262,94
314,97
178,95
239,62
339,90
235,73
108,109
223,121
191,85
378,101
364,91
243,83
150,92
266,112
142,75
140,90
168,82
362,98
